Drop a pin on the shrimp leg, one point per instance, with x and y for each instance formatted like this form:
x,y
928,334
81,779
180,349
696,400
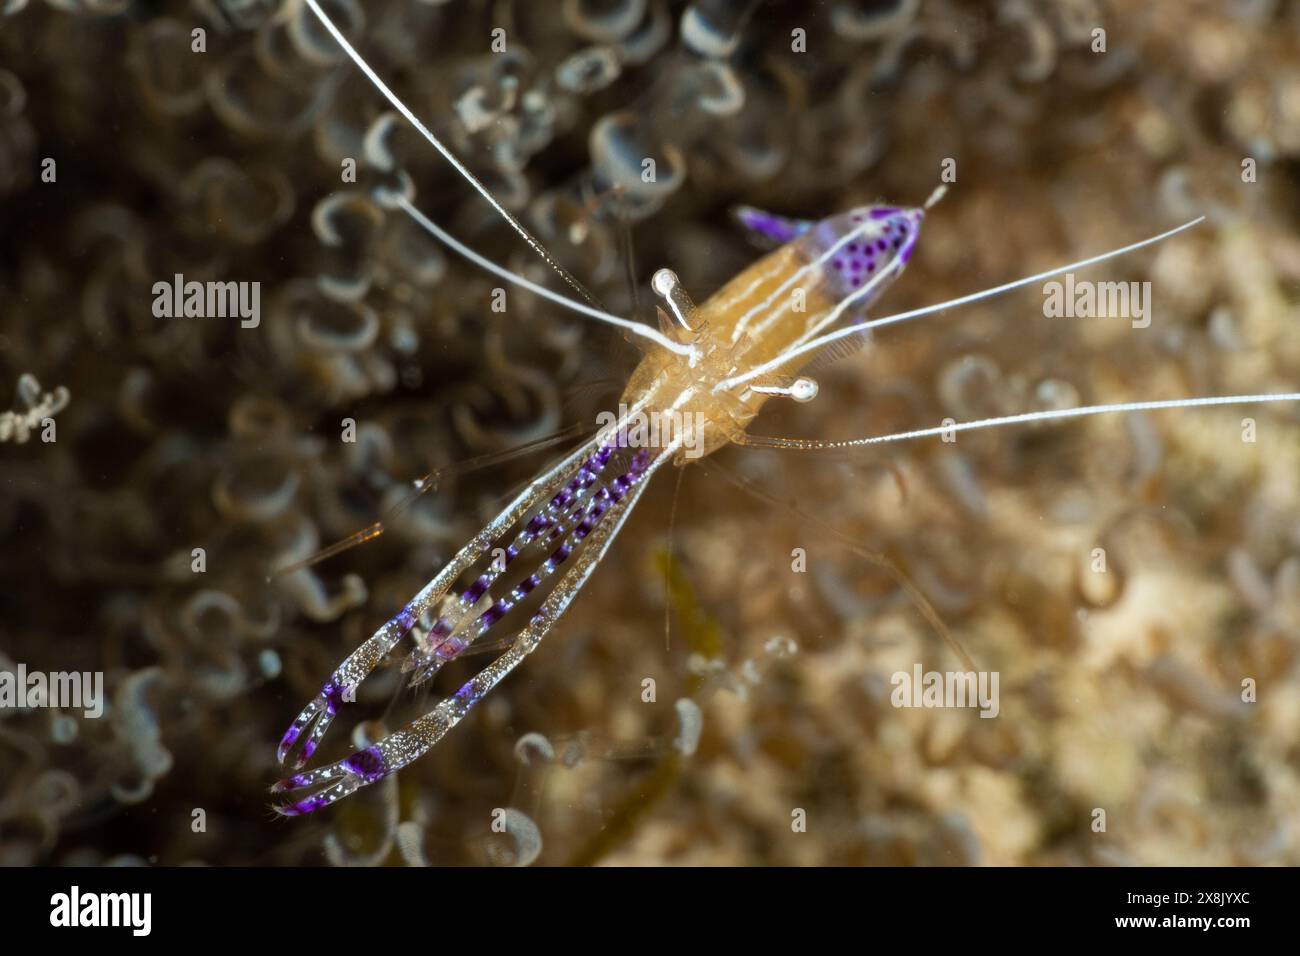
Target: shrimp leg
x,y
309,727
338,780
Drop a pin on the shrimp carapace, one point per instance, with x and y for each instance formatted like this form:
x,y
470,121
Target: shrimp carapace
x,y
825,273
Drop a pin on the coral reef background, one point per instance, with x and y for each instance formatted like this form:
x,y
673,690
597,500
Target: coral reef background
x,y
1120,691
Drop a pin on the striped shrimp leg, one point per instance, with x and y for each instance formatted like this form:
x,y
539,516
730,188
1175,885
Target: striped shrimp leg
x,y
308,728
578,525
589,541
445,639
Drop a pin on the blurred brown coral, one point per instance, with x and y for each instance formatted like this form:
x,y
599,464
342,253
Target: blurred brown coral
x,y
193,434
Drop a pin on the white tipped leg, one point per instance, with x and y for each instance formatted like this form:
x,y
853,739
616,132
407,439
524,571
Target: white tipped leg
x,y
802,389
669,288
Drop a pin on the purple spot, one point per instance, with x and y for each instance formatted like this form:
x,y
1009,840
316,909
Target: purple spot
x,y
310,805
291,783
494,614
290,736
466,695
884,212
308,749
367,764
449,648
477,589
333,694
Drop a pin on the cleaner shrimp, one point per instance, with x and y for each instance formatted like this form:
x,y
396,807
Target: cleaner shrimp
x,y
717,363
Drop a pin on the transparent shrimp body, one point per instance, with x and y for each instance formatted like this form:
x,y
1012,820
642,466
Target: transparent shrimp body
x,y
718,363
823,274
563,523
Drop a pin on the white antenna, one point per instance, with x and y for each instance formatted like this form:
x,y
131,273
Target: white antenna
x,y
485,263
862,327
460,167
812,444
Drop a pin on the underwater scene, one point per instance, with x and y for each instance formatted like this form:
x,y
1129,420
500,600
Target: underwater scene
x,y
649,433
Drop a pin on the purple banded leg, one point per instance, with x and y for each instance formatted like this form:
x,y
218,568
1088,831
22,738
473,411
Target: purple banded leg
x,y
444,642
311,724
330,784
305,733
550,520
454,644
362,768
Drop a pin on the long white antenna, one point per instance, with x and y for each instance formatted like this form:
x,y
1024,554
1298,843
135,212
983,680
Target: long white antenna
x,y
485,263
862,327
810,444
460,167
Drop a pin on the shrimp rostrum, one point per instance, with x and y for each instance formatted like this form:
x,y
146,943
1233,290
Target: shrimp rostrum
x,y
706,374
